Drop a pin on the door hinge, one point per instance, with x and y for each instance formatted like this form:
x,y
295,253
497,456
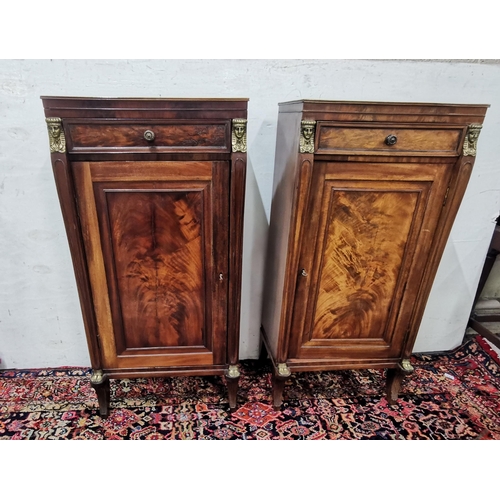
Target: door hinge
x,y
446,195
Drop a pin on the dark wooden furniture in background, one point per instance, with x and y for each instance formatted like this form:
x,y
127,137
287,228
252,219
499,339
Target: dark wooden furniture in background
x,y
477,320
152,196
364,198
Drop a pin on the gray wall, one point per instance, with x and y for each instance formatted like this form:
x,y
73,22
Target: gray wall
x,y
40,321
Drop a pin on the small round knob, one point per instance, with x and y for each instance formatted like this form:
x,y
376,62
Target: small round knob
x,y
390,140
304,273
149,135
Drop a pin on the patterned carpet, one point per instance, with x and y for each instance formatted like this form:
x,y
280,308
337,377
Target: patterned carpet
x,y
452,396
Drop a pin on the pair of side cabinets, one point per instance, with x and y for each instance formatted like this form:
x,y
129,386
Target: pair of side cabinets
x,y
152,196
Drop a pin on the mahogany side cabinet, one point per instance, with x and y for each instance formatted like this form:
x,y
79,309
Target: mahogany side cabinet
x,y
364,198
152,196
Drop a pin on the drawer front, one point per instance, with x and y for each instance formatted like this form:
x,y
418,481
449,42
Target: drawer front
x,y
388,140
147,136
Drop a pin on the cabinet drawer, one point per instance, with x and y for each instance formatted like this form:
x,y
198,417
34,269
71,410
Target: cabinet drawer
x,y
389,140
105,136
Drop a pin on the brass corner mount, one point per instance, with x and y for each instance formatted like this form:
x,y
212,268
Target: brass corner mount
x,y
306,144
239,135
57,139
471,137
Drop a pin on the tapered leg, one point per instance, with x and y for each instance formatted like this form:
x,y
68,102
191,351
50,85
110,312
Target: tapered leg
x,y
100,382
232,375
395,378
278,387
280,376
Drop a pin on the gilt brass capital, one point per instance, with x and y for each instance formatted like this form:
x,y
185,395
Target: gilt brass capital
x,y
283,370
57,139
239,135
470,143
306,144
97,377
233,371
406,366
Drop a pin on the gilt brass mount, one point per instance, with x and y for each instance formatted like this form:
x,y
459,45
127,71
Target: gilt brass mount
x,y
233,371
97,377
406,366
239,135
307,136
57,140
283,370
470,143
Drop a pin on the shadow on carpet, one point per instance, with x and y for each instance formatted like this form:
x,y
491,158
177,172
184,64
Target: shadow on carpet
x,y
452,396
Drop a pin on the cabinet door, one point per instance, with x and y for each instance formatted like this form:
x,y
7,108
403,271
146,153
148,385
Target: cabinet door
x,y
156,237
367,235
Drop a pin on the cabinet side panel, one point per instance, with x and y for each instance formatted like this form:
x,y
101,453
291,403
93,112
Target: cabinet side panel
x,y
236,209
458,185
285,172
67,198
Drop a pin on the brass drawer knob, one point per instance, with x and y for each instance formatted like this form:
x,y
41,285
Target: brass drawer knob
x,y
390,140
149,135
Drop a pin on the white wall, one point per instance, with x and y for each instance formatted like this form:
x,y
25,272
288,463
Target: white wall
x,y
40,320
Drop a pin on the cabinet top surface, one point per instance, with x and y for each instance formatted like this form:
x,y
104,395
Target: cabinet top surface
x,y
377,103
165,99
142,107
386,112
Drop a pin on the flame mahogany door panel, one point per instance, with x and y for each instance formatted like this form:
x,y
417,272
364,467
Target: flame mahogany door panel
x,y
366,243
162,243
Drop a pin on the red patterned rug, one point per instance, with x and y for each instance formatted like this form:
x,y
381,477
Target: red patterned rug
x,y
452,396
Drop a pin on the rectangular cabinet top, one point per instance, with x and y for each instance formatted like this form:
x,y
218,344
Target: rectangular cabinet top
x,y
153,99
396,112
375,103
135,107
